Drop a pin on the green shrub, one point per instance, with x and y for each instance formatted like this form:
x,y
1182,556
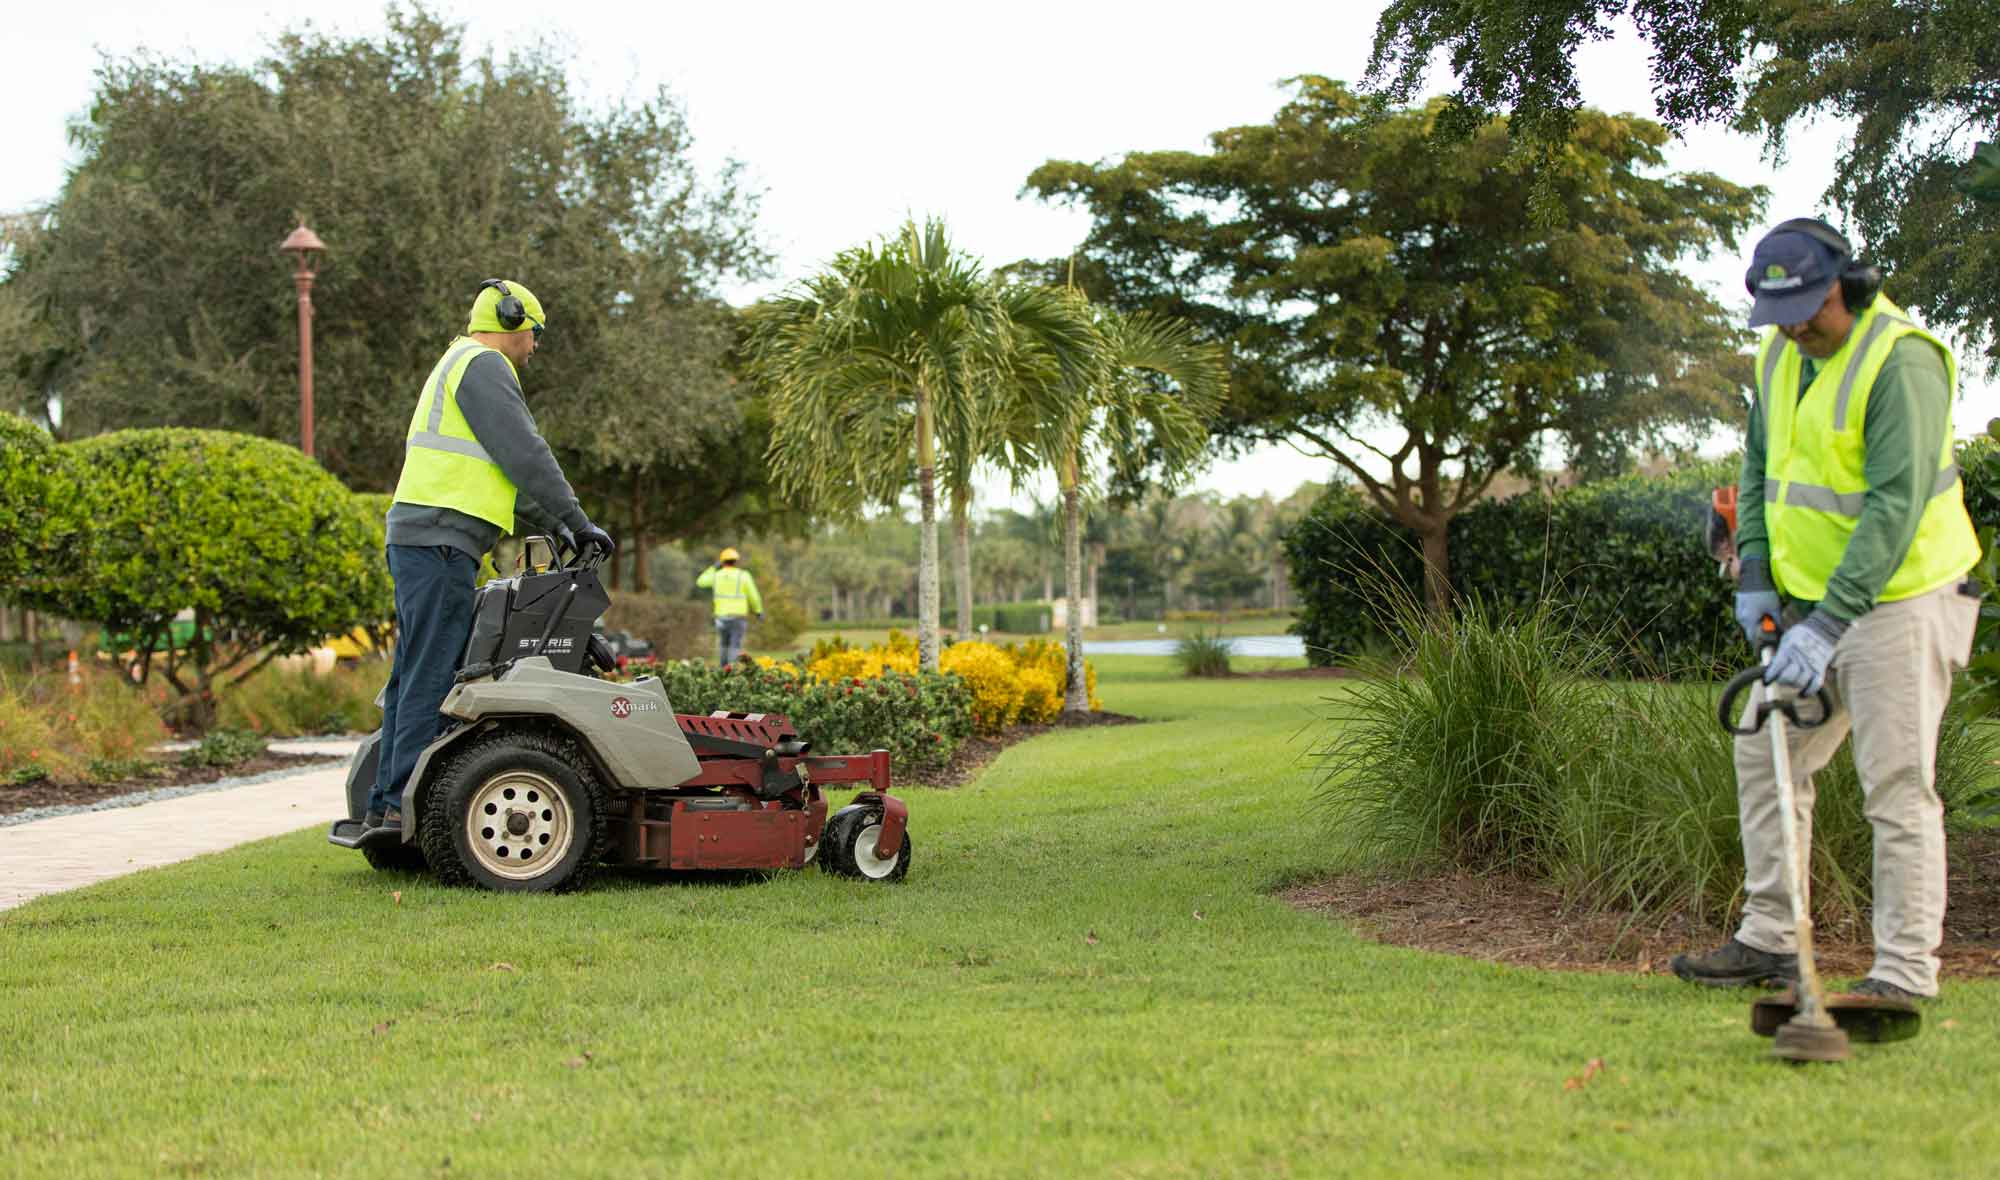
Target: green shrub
x,y
225,747
1202,653
1628,551
1497,740
267,549
293,700
41,521
1013,618
678,628
920,719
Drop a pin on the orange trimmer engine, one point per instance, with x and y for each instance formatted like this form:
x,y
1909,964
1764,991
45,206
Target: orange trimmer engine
x,y
1722,527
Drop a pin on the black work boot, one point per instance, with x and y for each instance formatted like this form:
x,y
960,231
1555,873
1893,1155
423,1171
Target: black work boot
x,y
1733,964
1882,989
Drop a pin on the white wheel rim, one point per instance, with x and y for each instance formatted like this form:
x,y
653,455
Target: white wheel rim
x,y
864,854
519,825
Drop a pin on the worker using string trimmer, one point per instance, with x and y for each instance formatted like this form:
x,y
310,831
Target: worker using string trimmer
x,y
1852,533
736,599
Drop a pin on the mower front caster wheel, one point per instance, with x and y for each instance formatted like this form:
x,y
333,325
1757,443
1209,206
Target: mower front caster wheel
x,y
847,847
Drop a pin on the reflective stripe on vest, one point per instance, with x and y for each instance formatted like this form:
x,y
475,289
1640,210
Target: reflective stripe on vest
x,y
1816,485
730,596
443,464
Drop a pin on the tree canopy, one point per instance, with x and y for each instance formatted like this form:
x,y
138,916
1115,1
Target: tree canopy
x,y
1919,78
1398,310
159,297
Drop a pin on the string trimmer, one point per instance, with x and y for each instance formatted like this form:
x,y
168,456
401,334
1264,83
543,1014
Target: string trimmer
x,y
1804,1022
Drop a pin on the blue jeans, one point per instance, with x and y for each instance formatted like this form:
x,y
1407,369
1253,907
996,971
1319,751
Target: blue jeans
x,y
729,631
434,588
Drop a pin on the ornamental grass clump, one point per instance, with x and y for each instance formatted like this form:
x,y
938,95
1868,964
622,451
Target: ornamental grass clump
x,y
1501,741
1202,653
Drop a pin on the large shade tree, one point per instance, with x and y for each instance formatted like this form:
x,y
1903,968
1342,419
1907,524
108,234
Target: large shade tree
x,y
867,364
1401,312
1919,78
160,299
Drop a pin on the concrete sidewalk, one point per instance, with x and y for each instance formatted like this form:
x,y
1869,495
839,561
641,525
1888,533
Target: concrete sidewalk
x,y
69,851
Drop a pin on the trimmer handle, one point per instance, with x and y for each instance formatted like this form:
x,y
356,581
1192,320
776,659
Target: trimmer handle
x,y
1726,712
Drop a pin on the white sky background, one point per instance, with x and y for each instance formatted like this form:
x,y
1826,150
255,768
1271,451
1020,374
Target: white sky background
x,y
851,116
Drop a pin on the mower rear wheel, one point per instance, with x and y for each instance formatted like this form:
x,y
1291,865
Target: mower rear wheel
x,y
397,858
847,847
517,811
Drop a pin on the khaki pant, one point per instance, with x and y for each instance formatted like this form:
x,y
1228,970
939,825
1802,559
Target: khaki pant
x,y
1890,682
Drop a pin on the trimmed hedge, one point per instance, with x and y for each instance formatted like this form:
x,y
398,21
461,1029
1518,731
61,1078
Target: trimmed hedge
x,y
1628,552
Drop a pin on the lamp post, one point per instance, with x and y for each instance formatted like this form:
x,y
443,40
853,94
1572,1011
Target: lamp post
x,y
304,245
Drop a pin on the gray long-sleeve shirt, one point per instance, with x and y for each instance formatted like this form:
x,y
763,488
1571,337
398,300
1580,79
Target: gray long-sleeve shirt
x,y
489,395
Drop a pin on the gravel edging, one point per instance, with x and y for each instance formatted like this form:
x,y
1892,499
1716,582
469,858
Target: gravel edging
x,y
155,795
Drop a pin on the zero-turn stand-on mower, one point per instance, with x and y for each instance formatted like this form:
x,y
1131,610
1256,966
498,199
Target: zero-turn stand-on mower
x,y
545,770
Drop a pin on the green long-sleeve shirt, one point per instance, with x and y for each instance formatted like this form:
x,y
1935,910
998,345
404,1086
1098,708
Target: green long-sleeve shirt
x,y
1909,411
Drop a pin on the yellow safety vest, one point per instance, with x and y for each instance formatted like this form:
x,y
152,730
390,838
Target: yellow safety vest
x,y
1814,483
732,597
443,464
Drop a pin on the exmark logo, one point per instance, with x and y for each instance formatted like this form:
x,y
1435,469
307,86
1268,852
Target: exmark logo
x,y
626,706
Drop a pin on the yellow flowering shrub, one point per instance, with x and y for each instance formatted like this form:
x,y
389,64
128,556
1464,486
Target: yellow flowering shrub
x,y
1013,684
853,663
775,665
994,680
1041,696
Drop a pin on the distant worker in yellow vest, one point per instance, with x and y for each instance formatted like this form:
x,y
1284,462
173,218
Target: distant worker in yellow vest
x,y
473,463
736,599
1851,526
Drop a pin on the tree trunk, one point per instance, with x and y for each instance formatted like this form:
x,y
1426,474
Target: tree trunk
x,y
641,578
962,563
1048,583
1437,567
31,630
927,555
1096,562
1076,699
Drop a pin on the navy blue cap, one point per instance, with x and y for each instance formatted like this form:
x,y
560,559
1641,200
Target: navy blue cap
x,y
1789,274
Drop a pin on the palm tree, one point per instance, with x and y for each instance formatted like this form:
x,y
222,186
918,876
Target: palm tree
x,y
873,361
1148,397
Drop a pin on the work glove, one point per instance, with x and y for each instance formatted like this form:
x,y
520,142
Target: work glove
x,y
1756,597
597,538
1804,653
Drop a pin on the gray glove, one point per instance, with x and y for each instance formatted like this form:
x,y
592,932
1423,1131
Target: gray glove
x,y
1756,597
1805,652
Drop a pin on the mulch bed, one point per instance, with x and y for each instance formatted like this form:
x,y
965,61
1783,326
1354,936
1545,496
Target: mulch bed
x,y
54,794
975,752
1510,919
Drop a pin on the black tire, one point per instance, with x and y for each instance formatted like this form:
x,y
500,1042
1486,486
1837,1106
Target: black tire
x,y
394,858
555,814
847,847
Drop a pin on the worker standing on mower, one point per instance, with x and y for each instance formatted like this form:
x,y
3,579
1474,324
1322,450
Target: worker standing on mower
x,y
736,598
1849,510
473,461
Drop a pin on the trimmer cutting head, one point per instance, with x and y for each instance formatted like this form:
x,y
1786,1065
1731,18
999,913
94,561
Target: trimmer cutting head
x,y
1799,1041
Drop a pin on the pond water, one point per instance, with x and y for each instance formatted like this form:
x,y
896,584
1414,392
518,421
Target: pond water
x,y
1239,645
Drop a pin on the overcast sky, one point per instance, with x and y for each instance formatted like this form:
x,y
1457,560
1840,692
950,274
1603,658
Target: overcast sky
x,y
851,116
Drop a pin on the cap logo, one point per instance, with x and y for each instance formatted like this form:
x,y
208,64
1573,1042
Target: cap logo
x,y
1775,279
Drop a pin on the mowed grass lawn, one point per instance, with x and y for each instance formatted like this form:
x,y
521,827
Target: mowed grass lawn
x,y
1085,975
